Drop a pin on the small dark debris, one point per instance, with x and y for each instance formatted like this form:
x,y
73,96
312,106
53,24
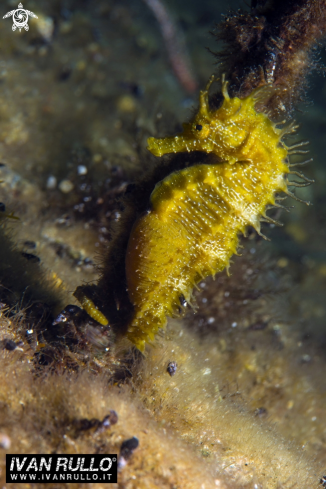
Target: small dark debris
x,y
9,345
133,88
30,244
64,75
60,250
31,258
130,188
128,446
2,207
88,261
307,336
253,295
117,171
258,326
107,422
2,164
172,368
67,314
323,481
85,424
64,220
260,412
126,450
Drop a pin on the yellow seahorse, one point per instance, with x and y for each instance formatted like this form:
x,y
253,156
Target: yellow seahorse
x,y
197,213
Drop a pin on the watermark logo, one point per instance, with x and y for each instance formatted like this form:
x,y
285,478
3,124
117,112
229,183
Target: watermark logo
x,y
63,468
20,18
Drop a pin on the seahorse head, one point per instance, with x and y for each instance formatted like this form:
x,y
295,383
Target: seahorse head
x,y
227,132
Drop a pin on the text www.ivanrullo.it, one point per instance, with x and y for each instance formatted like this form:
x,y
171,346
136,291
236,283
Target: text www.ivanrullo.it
x,y
61,468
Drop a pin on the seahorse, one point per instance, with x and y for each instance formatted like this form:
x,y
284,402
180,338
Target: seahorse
x,y
192,226
196,214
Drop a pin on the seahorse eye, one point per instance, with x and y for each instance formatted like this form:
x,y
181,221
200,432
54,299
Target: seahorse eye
x,y
201,131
